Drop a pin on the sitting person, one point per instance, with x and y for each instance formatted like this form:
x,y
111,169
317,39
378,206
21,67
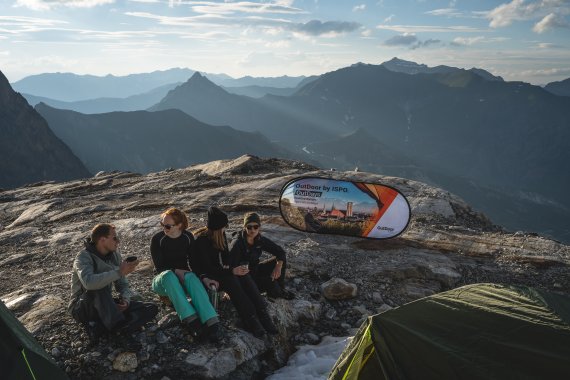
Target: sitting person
x,y
171,250
94,271
246,249
211,262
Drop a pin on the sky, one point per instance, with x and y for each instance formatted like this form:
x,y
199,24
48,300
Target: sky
x,y
525,40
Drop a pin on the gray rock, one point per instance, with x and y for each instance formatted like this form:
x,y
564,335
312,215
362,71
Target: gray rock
x,y
338,289
161,338
377,298
312,338
125,362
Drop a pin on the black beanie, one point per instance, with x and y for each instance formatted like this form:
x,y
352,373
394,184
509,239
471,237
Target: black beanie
x,y
251,217
216,218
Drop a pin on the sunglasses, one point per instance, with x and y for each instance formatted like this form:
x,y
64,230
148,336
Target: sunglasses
x,y
252,226
167,226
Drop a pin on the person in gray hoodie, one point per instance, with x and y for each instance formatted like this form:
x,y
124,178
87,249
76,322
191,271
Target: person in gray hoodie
x,y
95,270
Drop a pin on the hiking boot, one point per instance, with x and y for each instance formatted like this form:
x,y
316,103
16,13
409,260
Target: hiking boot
x,y
267,324
277,292
194,327
255,327
215,333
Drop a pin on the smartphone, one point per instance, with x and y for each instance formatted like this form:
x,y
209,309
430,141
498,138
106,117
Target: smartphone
x,y
131,259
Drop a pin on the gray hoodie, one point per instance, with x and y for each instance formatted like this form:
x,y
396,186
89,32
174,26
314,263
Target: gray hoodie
x,y
93,271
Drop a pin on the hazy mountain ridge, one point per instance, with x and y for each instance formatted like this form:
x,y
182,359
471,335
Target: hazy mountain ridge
x,y
458,121
409,67
561,88
142,141
211,104
103,105
29,151
69,87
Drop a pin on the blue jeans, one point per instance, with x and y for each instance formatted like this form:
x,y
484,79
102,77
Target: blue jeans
x,y
167,284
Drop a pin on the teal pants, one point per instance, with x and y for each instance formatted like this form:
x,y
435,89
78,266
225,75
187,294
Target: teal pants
x,y
167,284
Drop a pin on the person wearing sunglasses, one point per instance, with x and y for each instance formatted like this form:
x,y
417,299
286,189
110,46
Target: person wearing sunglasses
x,y
171,250
212,263
95,270
247,247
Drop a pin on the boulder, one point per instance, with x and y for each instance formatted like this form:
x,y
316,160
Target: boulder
x,y
338,289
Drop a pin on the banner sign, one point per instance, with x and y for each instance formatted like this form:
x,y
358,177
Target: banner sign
x,y
331,206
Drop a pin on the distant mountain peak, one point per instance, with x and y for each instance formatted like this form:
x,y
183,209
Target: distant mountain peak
x,y
408,67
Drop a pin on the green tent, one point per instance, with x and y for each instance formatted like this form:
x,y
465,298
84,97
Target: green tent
x,y
21,356
481,331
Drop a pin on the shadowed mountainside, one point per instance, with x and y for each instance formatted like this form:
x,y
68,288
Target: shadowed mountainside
x,y
142,141
29,151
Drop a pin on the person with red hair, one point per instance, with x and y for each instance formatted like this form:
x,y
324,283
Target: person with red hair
x,y
171,251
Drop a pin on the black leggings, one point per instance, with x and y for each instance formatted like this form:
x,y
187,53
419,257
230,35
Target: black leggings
x,y
262,275
244,295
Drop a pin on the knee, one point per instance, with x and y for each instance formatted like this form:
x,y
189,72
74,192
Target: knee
x,y
167,278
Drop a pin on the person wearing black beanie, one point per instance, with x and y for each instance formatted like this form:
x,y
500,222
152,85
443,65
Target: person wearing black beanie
x,y
211,262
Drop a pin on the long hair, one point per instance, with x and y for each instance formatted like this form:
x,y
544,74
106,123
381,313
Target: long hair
x,y
216,237
177,215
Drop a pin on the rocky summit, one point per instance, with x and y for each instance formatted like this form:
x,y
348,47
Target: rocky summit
x,y
338,280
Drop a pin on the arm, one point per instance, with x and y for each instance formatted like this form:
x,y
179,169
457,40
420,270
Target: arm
x,y
236,254
191,251
274,249
86,273
122,284
156,254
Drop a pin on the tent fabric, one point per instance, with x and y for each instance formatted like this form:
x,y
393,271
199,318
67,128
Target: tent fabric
x,y
480,331
21,356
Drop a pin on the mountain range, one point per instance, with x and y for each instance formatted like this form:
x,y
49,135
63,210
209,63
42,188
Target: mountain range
x,y
504,146
211,104
70,87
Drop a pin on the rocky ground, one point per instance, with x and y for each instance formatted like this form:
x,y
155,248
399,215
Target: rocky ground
x,y
339,281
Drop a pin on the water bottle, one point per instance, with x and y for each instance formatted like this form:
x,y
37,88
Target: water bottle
x,y
213,293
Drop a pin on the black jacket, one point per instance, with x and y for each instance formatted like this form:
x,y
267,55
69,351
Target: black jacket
x,y
240,251
170,254
208,261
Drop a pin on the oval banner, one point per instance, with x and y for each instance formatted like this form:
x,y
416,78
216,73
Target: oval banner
x,y
350,208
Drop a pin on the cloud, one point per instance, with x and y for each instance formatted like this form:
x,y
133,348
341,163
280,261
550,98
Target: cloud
x,y
546,72
45,5
329,28
410,40
28,22
278,44
467,41
360,7
389,18
210,7
430,28
447,12
426,43
520,10
403,39
550,21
